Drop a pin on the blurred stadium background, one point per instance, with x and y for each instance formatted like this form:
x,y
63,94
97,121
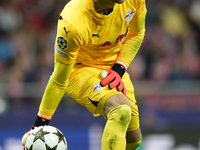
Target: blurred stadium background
x,y
165,73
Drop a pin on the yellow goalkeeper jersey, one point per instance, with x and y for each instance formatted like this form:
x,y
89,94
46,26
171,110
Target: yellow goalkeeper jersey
x,y
94,39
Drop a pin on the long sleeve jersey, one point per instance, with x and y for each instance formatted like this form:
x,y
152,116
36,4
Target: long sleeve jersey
x,y
99,40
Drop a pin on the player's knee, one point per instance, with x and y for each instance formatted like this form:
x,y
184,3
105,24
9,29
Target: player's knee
x,y
122,114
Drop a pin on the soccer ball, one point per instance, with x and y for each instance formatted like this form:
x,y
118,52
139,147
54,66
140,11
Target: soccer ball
x,y
46,138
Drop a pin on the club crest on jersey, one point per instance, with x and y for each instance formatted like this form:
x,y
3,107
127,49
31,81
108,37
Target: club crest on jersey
x,y
97,87
62,43
129,15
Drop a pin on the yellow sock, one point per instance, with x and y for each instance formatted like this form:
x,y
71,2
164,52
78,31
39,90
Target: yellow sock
x,y
115,130
133,146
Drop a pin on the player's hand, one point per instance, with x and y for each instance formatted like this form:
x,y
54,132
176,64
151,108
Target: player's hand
x,y
25,136
112,79
40,121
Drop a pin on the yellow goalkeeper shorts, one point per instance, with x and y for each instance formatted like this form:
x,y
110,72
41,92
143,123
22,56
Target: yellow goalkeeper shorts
x,y
84,87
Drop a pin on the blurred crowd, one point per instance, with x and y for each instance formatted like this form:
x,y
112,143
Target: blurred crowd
x,y
27,34
170,51
171,48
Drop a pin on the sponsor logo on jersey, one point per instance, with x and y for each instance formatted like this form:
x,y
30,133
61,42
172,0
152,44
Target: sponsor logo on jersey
x,y
129,15
117,40
62,43
97,87
106,43
120,38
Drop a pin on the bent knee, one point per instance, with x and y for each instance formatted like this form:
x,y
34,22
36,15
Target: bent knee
x,y
122,114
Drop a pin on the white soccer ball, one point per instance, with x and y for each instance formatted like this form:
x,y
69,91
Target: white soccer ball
x,y
46,138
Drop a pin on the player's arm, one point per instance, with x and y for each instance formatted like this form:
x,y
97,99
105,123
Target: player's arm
x,y
130,47
54,92
135,35
67,44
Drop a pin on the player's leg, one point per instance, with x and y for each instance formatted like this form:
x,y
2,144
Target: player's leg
x,y
133,135
133,139
117,110
84,87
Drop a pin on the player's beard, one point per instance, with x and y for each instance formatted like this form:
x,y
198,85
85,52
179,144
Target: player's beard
x,y
118,1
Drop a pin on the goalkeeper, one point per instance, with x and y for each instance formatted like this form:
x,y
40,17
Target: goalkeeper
x,y
96,42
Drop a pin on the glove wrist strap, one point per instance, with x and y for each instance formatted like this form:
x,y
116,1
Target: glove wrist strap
x,y
120,69
40,121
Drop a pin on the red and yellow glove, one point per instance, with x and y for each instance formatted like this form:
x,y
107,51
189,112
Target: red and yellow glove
x,y
114,77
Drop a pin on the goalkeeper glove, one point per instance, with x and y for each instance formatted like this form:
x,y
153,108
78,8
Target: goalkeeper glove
x,y
26,135
114,78
40,121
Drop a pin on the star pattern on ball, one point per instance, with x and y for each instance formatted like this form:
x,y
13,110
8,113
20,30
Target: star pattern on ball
x,y
49,148
40,135
30,148
60,136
